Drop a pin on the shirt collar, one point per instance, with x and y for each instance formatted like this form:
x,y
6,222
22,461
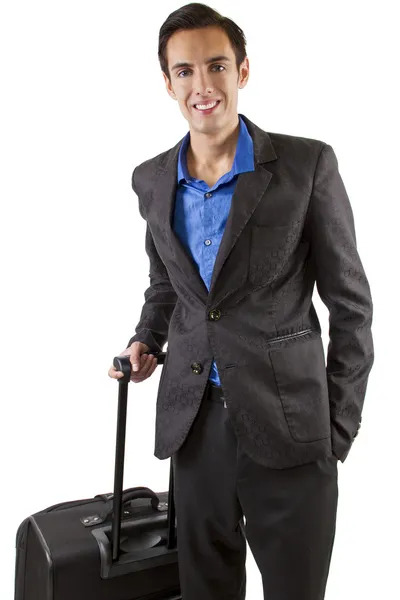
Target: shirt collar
x,y
244,156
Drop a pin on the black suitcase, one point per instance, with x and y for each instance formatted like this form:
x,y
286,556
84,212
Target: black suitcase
x,y
119,546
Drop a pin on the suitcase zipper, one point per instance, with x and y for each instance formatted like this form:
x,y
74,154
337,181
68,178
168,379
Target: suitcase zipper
x,y
70,503
289,336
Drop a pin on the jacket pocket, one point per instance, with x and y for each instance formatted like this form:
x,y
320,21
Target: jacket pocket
x,y
300,376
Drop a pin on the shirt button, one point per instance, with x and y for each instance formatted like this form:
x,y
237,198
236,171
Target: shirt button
x,y
214,314
208,195
207,242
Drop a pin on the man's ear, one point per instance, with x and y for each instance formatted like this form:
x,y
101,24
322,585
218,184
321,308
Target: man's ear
x,y
169,86
244,73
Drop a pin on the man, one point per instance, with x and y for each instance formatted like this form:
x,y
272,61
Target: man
x,y
241,224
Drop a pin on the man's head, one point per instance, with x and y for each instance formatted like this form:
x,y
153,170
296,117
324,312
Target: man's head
x,y
190,37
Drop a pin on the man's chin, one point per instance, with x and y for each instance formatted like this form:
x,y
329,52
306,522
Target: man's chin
x,y
206,125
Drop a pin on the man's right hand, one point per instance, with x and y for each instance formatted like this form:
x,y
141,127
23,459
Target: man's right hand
x,y
147,363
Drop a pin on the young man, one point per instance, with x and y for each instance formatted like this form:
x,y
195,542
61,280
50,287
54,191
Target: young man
x,y
241,223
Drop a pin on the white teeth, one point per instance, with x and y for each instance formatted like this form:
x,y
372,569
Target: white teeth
x,y
205,106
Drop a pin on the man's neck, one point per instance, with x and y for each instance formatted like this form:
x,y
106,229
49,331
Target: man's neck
x,y
209,152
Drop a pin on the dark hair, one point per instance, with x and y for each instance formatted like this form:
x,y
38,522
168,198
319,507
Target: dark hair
x,y
196,16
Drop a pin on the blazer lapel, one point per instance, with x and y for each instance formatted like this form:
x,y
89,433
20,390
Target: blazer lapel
x,y
163,196
250,188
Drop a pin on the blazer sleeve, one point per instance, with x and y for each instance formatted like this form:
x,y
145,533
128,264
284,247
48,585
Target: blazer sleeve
x,y
344,289
160,296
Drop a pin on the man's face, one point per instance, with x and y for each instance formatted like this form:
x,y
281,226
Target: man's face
x,y
202,81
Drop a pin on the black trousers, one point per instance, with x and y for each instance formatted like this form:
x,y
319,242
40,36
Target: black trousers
x,y
223,497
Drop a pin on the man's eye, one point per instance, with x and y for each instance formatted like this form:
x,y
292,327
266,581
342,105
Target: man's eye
x,y
187,71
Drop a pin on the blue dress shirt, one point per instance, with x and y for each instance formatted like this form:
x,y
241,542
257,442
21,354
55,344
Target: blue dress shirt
x,y
201,211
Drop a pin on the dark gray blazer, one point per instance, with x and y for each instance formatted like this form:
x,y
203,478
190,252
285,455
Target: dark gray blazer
x,y
290,226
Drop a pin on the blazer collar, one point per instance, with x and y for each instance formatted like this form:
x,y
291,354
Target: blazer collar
x,y
250,188
264,151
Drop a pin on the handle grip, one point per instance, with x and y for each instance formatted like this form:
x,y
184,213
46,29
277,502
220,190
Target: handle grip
x,y
108,497
133,494
123,363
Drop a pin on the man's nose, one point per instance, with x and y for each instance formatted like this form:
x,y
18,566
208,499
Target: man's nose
x,y
202,84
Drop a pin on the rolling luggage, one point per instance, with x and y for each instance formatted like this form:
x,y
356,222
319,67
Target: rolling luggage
x,y
115,546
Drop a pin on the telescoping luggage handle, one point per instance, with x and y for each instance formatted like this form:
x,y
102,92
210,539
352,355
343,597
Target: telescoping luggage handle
x,y
122,363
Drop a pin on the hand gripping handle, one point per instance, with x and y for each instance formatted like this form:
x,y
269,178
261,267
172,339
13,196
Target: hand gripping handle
x,y
123,363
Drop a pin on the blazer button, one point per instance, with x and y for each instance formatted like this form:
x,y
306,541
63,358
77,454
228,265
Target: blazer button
x,y
214,314
196,368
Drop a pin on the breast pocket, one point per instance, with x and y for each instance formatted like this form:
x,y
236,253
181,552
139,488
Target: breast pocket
x,y
270,248
300,376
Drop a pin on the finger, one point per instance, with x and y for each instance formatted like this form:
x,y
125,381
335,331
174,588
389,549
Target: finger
x,y
113,373
146,364
153,366
136,361
144,372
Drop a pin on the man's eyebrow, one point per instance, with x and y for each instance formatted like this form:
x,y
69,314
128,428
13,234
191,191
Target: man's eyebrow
x,y
208,61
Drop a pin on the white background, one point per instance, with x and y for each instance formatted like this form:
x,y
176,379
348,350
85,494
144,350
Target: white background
x,y
83,102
